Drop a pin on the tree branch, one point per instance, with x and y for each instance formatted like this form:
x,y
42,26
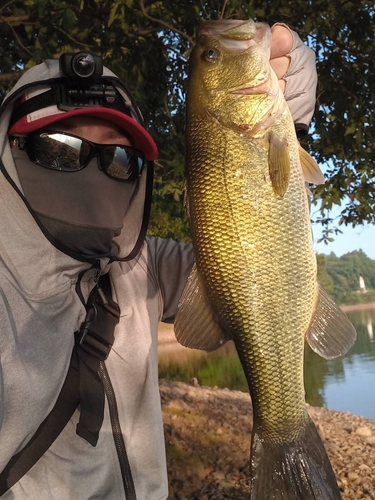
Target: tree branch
x,y
71,38
223,10
17,38
11,77
7,5
166,25
14,19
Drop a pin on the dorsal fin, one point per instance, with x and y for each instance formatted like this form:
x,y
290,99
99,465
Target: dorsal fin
x,y
311,170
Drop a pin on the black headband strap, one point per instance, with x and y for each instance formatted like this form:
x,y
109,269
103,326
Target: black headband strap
x,y
34,104
58,96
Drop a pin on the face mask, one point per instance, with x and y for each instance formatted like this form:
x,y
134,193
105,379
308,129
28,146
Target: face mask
x,y
83,210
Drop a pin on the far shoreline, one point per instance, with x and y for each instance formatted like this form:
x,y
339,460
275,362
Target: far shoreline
x,y
357,307
167,336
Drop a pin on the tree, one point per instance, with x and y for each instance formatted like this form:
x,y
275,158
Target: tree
x,y
147,42
340,276
324,279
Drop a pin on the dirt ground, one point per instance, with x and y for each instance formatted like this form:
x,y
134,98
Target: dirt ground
x,y
207,433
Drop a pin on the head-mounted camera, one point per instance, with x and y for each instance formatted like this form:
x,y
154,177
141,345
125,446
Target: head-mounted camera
x,y
81,65
84,87
79,85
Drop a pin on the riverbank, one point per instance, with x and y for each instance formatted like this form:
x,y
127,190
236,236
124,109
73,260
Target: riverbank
x,y
207,434
357,307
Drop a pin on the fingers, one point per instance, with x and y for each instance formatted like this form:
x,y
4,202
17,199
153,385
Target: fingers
x,y
282,41
294,65
280,65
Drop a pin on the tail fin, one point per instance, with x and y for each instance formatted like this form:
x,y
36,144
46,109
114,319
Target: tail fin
x,y
298,470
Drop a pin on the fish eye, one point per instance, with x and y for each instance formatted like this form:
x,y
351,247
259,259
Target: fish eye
x,y
210,55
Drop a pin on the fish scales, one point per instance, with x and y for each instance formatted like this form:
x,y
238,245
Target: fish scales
x,y
265,285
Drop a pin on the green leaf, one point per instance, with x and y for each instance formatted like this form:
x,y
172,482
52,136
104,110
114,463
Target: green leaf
x,y
351,129
69,20
152,61
113,12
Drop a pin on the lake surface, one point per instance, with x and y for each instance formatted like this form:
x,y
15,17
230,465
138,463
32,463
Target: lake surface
x,y
343,384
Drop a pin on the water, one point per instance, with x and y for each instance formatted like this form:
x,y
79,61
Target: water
x,y
344,384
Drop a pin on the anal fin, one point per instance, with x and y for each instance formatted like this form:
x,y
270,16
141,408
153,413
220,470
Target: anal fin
x,y
330,334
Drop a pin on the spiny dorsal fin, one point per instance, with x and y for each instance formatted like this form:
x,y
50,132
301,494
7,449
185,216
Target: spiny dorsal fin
x,y
330,333
279,164
195,325
310,168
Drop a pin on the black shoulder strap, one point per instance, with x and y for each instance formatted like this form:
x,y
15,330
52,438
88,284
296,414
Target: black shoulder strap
x,y
48,430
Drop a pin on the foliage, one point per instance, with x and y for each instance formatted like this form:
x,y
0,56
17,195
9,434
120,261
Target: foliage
x,y
324,278
315,372
147,43
340,277
221,368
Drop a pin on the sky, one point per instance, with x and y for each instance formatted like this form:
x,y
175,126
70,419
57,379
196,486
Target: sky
x,y
358,238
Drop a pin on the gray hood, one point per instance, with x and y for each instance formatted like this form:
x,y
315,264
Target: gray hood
x,y
40,309
132,235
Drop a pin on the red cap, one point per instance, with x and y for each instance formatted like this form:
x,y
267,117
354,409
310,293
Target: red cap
x,y
44,117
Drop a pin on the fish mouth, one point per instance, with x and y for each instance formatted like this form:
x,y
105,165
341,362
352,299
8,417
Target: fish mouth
x,y
237,36
261,88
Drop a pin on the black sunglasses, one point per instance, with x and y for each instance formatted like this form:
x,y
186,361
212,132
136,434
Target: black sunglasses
x,y
70,153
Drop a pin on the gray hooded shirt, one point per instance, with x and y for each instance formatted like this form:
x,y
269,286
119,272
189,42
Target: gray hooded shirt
x,y
40,311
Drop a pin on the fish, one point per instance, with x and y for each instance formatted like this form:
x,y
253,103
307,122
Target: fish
x,y
254,280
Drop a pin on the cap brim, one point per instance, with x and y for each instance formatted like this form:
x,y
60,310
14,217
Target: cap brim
x,y
141,139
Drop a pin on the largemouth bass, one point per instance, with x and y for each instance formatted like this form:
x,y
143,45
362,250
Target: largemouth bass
x,y
255,275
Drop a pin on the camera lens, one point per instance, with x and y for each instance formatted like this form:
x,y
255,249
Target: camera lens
x,y
83,65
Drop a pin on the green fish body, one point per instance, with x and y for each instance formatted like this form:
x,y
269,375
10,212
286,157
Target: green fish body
x,y
255,276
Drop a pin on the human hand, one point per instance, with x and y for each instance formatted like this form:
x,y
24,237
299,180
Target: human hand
x,y
281,44
294,65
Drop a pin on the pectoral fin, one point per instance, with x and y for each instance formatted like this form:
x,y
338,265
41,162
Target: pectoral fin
x,y
195,324
330,334
279,164
310,168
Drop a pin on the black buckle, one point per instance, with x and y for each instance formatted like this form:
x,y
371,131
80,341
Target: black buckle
x,y
96,335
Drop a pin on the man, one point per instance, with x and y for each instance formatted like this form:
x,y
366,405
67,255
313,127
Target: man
x,y
75,193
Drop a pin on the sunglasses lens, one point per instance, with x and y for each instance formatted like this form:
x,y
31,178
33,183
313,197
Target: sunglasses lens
x,y
60,151
68,153
122,162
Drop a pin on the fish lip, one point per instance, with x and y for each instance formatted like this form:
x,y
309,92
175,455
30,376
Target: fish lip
x,y
261,88
259,33
221,27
